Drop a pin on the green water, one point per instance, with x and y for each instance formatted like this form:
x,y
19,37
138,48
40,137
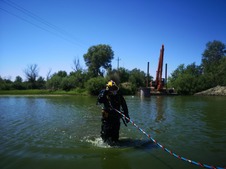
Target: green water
x,y
63,132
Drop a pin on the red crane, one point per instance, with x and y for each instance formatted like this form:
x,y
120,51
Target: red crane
x,y
159,83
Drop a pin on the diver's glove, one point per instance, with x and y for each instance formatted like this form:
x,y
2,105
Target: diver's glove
x,y
127,121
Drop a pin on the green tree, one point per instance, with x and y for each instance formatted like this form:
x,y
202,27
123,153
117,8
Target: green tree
x,y
41,83
5,84
120,75
222,72
67,83
186,79
123,74
94,85
98,58
213,63
137,79
54,82
176,73
62,73
18,83
80,77
212,55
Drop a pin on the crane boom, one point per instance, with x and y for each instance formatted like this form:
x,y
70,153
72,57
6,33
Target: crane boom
x,y
159,84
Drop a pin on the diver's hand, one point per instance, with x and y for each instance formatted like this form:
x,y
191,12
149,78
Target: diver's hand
x,y
127,119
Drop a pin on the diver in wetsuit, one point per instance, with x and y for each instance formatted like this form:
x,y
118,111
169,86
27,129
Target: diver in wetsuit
x,y
111,99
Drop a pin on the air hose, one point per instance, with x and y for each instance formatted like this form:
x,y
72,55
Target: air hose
x,y
167,150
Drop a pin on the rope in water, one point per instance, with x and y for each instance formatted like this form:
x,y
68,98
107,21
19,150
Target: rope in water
x,y
167,150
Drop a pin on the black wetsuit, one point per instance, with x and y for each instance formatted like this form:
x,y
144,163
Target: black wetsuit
x,y
110,118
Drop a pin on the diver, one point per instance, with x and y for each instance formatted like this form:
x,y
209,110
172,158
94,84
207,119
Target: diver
x,y
112,99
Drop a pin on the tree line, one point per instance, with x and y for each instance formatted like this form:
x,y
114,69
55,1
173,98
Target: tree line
x,y
210,73
185,79
97,59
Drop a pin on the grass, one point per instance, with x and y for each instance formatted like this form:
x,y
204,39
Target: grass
x,y
44,92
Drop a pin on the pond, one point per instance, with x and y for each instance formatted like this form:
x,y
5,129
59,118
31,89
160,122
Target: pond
x,y
64,132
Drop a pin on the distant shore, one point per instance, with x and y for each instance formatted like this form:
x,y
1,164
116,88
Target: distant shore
x,y
215,91
40,92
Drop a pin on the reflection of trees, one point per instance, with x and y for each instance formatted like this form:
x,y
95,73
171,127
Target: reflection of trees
x,y
112,158
214,117
160,109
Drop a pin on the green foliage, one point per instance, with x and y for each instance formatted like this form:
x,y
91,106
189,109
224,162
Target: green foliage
x,y
62,74
222,72
127,88
98,57
40,83
62,81
54,82
94,85
80,78
18,84
5,84
212,55
212,71
213,63
137,79
120,76
185,79
67,83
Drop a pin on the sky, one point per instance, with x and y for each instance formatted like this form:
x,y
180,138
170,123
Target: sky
x,y
53,33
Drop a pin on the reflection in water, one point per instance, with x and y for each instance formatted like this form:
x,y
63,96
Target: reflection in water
x,y
160,108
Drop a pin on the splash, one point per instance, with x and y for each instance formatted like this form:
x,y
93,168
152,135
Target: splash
x,y
97,142
123,142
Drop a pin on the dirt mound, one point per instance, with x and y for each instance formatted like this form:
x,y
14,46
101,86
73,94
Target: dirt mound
x,y
215,91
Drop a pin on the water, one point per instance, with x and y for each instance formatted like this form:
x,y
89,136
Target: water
x,y
63,132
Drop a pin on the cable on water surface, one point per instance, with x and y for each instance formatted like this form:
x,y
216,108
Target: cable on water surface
x,y
167,150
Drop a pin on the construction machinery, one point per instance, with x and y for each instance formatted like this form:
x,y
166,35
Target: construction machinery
x,y
159,82
159,85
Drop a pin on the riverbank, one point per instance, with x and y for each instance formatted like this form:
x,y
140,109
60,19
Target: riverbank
x,y
43,92
215,91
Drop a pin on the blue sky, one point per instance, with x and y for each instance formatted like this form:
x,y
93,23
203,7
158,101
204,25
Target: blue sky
x,y
52,33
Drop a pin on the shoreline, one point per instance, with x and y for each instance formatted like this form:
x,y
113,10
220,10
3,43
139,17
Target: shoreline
x,y
215,91
41,92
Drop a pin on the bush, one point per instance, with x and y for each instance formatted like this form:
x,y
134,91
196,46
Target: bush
x,y
94,85
126,88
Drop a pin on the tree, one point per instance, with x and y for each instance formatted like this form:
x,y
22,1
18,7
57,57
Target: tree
x,y
212,60
57,81
186,79
41,83
67,83
120,75
54,82
62,73
98,57
48,74
5,84
18,83
80,77
137,78
222,72
77,66
31,73
94,85
213,53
